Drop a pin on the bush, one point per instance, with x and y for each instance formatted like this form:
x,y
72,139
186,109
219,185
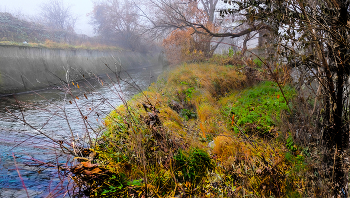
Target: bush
x,y
192,167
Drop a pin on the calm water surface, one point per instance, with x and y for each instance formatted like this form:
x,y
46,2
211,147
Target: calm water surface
x,y
59,113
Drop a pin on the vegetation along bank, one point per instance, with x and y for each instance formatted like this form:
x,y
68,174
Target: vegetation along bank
x,y
212,129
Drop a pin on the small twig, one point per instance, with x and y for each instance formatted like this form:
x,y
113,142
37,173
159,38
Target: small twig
x,y
335,153
19,174
20,108
243,134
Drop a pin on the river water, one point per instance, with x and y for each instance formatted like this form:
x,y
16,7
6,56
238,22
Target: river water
x,y
29,120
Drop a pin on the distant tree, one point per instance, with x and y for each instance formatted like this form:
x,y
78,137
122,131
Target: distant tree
x,y
117,21
55,15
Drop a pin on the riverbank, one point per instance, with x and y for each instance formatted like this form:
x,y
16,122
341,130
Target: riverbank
x,y
213,129
25,68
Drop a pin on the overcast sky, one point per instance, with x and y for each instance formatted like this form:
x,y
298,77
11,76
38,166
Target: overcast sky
x,y
30,7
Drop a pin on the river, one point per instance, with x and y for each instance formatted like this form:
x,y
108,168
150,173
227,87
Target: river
x,y
28,120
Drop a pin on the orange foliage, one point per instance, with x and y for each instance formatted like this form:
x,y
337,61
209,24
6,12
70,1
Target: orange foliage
x,y
180,46
186,44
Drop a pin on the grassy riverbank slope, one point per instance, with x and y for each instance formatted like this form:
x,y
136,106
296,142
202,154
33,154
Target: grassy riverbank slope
x,y
213,129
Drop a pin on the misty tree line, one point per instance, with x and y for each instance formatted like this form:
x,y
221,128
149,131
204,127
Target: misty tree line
x,y
136,26
14,29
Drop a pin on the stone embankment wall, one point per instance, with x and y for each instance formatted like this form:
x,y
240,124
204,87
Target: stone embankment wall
x,y
30,68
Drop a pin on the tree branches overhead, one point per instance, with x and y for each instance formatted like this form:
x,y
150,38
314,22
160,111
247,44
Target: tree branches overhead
x,y
202,16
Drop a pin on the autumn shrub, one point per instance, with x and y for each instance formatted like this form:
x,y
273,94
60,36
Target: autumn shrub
x,y
209,121
228,60
185,46
224,147
217,80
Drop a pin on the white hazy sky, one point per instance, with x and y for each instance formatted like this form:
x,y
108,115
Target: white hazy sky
x,y
31,7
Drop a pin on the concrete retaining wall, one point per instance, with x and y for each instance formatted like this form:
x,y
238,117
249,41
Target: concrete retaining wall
x,y
29,68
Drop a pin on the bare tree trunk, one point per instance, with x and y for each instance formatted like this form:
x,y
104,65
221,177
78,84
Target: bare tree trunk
x,y
246,39
262,38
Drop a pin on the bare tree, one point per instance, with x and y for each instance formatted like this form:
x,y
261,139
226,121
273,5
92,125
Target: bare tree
x,y
203,17
56,15
117,21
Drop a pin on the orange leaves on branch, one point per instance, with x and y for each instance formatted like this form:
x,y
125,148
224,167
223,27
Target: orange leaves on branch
x,y
186,45
191,43
177,44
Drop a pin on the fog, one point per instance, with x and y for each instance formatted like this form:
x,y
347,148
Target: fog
x,y
125,24
30,8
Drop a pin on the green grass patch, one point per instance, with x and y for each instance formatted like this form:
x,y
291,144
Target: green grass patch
x,y
259,108
258,62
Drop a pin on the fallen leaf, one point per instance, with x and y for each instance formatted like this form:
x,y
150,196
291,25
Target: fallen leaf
x,y
96,171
